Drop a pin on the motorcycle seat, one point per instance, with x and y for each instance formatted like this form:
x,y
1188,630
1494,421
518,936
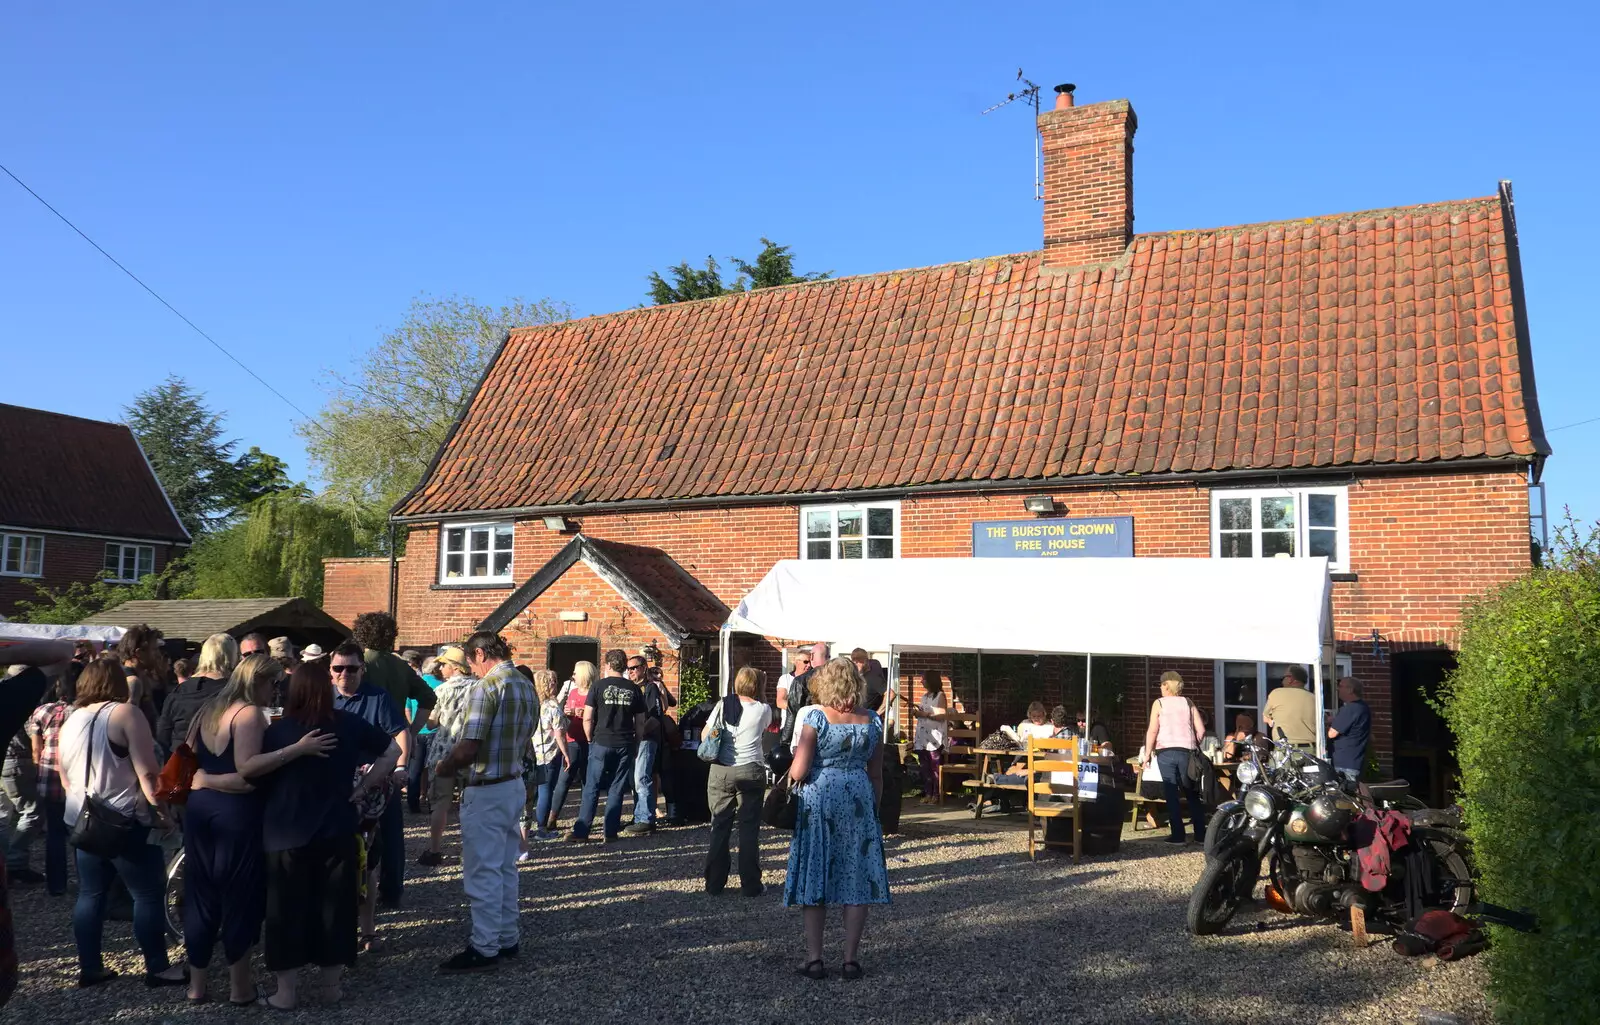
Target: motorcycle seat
x,y
1392,790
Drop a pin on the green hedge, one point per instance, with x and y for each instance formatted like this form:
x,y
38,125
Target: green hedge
x,y
1525,707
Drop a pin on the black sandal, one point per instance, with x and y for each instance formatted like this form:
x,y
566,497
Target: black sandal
x,y
814,969
851,970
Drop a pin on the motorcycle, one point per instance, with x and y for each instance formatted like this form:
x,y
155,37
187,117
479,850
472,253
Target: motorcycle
x,y
1295,817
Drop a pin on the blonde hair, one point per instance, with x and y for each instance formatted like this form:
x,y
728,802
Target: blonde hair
x,y
245,686
1172,683
583,675
838,684
218,655
749,682
544,684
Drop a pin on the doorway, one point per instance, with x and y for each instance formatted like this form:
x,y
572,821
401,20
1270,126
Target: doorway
x,y
1424,747
562,653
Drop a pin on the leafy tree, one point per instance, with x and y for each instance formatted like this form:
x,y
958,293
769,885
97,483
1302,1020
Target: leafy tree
x,y
383,422
79,600
183,439
277,547
773,266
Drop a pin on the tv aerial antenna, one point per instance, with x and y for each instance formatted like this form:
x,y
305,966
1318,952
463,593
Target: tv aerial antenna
x,y
1029,93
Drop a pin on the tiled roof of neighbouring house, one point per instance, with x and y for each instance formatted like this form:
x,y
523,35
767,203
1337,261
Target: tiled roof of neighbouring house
x,y
62,472
1383,337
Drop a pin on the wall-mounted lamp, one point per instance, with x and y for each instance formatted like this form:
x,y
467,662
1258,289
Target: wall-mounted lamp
x,y
1041,505
556,523
651,653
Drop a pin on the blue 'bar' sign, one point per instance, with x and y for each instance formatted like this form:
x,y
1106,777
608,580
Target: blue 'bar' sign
x,y
1075,536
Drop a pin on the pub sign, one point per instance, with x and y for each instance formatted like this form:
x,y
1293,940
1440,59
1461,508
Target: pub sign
x,y
1059,537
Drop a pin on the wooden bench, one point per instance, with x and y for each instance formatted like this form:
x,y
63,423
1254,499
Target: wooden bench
x,y
1138,805
960,757
1048,799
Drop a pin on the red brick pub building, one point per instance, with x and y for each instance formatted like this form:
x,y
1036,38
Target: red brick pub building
x,y
1353,385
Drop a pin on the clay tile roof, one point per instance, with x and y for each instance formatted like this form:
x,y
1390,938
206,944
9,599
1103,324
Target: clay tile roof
x,y
677,603
1389,336
85,476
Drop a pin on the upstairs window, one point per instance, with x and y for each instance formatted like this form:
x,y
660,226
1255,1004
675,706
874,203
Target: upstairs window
x,y
475,553
1269,523
21,555
850,531
126,564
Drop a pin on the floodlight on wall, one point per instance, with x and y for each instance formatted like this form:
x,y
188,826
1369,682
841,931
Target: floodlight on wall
x,y
556,523
1039,504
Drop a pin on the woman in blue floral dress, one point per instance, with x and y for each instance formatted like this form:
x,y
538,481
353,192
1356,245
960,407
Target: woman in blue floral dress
x,y
837,853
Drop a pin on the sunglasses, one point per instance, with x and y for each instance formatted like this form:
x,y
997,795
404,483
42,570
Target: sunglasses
x,y
345,669
635,669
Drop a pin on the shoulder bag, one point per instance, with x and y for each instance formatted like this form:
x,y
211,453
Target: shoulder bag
x,y
101,830
177,775
1198,765
711,736
782,805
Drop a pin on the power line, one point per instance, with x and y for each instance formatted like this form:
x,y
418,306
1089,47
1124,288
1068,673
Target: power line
x,y
1580,423
175,311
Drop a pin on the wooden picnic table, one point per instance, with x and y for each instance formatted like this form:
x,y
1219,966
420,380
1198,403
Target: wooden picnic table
x,y
988,757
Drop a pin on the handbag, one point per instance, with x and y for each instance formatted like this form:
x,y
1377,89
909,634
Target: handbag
x,y
101,830
711,737
177,775
1199,764
782,805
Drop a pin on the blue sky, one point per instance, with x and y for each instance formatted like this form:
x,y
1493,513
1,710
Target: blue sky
x,y
292,175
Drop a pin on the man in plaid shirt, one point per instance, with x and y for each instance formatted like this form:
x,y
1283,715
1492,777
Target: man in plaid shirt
x,y
498,717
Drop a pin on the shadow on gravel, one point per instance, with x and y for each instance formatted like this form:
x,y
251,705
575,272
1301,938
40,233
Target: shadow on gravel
x,y
977,934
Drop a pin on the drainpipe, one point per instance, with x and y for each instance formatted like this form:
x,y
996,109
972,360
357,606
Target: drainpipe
x,y
394,582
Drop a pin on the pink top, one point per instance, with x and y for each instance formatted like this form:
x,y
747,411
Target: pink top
x,y
1178,728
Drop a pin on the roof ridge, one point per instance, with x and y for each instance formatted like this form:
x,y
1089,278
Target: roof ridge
x,y
1471,202
68,416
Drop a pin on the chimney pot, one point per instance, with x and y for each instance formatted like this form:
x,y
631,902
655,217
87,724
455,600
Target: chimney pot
x,y
1064,95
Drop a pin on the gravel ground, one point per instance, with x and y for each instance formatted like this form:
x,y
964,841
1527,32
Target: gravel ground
x,y
976,934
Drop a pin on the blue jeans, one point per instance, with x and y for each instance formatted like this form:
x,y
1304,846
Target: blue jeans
x,y
1351,775
610,769
549,775
644,782
143,871
416,779
578,751
1174,765
392,865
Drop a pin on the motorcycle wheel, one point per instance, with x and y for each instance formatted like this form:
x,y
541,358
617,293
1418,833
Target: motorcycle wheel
x,y
1216,896
1224,827
1450,863
173,897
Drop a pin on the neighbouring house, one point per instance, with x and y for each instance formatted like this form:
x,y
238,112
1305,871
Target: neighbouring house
x,y
1357,386
194,619
78,503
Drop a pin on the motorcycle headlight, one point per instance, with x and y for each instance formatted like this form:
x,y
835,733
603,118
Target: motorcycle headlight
x,y
1258,804
1247,773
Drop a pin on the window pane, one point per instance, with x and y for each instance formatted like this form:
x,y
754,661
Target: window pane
x,y
1322,510
479,540
880,547
850,523
1277,513
478,564
819,524
1236,546
147,561
880,522
819,550
1276,542
454,539
1233,514
1239,684
113,559
850,549
12,562
502,564
1275,671
452,566
502,539
1323,542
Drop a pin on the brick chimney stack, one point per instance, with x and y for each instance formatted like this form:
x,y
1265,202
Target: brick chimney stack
x,y
1088,180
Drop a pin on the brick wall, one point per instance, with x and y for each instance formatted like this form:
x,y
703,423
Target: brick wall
x,y
68,559
353,586
1088,182
1420,546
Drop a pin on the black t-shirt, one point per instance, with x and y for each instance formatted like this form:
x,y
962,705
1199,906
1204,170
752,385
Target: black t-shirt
x,y
1353,722
309,798
876,678
615,702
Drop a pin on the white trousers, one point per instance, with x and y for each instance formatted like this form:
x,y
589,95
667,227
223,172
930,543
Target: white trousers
x,y
489,842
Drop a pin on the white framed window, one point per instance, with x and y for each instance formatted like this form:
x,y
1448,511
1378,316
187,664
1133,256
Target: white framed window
x,y
1244,686
475,553
867,531
1267,523
21,555
125,564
